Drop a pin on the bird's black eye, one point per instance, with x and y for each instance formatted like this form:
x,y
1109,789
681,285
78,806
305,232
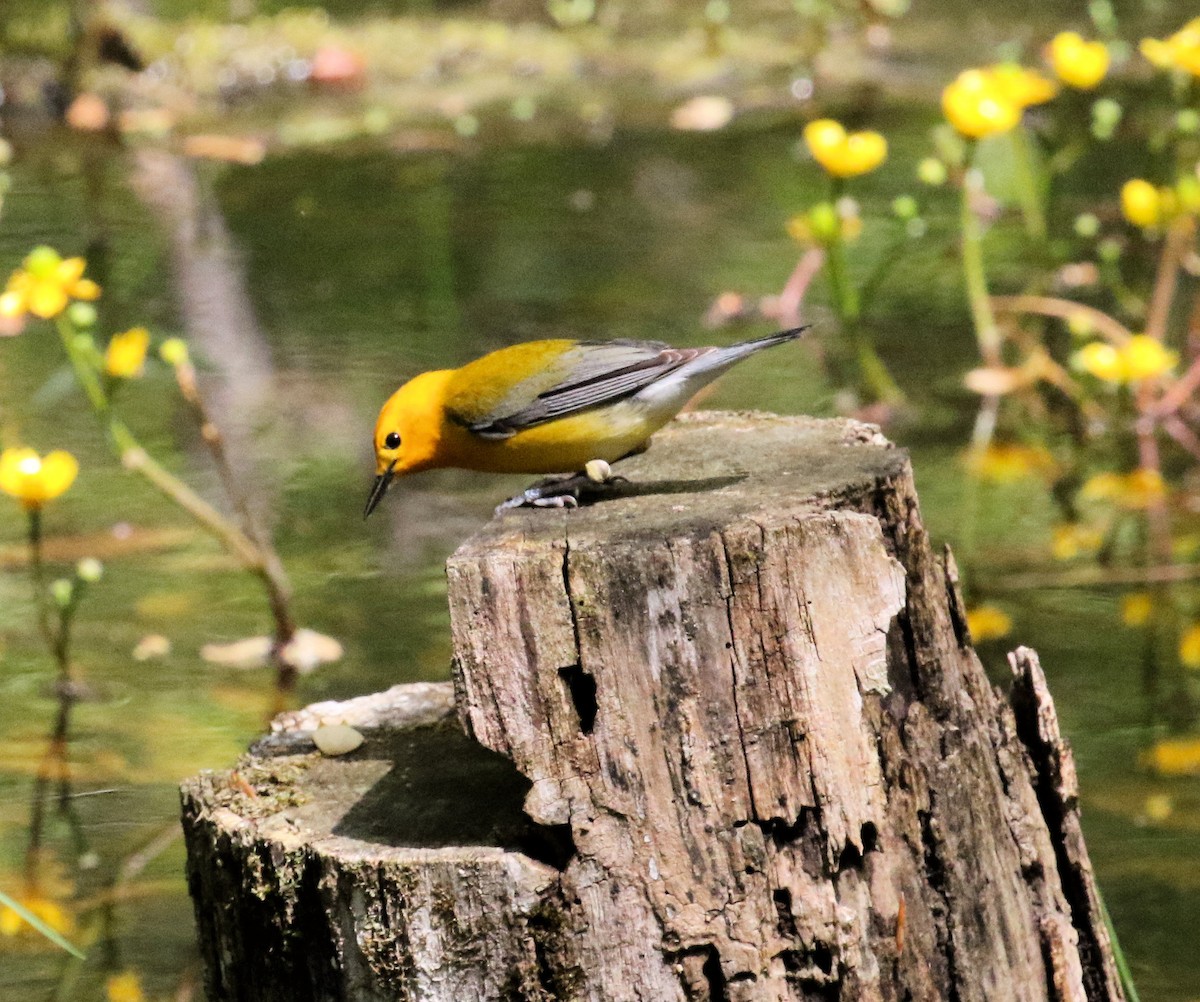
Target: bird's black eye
x,y
392,441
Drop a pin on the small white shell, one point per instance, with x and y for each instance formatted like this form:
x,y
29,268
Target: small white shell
x,y
336,739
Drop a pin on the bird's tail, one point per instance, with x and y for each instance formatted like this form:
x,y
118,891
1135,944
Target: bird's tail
x,y
717,360
757,344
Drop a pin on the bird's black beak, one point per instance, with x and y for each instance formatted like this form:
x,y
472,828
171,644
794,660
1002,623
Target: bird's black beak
x,y
380,489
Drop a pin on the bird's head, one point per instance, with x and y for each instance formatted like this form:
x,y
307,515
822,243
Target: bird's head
x,y
407,432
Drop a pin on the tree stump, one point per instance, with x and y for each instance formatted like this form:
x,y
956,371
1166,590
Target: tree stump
x,y
757,756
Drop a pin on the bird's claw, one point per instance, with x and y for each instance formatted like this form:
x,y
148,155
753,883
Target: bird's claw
x,y
564,492
556,501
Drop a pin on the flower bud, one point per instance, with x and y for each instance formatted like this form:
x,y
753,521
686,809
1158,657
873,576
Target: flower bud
x,y
905,207
62,590
89,569
82,315
932,171
174,351
1087,225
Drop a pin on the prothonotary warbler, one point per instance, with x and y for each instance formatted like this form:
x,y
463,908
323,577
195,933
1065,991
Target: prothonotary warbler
x,y
545,407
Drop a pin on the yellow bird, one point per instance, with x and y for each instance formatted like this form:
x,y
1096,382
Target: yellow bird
x,y
545,407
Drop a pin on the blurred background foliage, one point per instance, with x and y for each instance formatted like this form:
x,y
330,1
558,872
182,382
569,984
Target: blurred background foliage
x,y
326,200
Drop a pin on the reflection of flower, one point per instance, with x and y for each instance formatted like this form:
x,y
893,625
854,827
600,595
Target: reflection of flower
x,y
1072,539
1189,646
1141,357
977,107
844,154
1174,757
124,987
1158,807
34,480
1078,63
1135,491
1136,608
45,284
987,622
40,906
126,353
1180,51
1006,463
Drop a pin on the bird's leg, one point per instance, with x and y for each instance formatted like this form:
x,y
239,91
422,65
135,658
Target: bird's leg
x,y
565,492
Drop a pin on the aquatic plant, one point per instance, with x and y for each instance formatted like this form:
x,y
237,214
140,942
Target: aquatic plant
x,y
54,288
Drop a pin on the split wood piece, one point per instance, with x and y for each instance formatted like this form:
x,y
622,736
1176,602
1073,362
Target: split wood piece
x,y
749,691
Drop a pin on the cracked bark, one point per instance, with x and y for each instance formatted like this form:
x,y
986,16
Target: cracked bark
x,y
746,692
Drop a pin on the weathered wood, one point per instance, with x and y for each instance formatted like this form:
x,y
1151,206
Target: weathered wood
x,y
403,871
761,760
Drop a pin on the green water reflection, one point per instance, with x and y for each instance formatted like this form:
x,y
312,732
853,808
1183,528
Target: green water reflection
x,y
361,270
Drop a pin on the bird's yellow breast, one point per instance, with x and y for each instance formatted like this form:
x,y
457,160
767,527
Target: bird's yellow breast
x,y
560,446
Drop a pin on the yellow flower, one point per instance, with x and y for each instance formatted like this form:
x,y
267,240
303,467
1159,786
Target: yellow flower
x,y
45,284
987,622
1006,463
34,480
844,154
1072,539
124,987
1141,357
1174,757
1136,608
1099,359
125,356
1078,63
1144,357
1141,202
1021,86
50,912
1189,647
1180,51
977,106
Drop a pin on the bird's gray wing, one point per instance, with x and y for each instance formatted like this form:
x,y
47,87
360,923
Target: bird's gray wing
x,y
593,373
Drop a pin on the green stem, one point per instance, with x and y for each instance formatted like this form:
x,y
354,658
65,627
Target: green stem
x,y
1027,185
975,277
987,335
873,376
1123,971
134,457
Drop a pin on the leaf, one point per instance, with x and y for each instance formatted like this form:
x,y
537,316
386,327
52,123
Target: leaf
x,y
55,937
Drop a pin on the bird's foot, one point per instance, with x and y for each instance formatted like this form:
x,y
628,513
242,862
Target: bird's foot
x,y
565,492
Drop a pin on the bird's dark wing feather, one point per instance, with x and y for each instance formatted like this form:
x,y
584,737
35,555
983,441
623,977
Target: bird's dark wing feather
x,y
591,374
